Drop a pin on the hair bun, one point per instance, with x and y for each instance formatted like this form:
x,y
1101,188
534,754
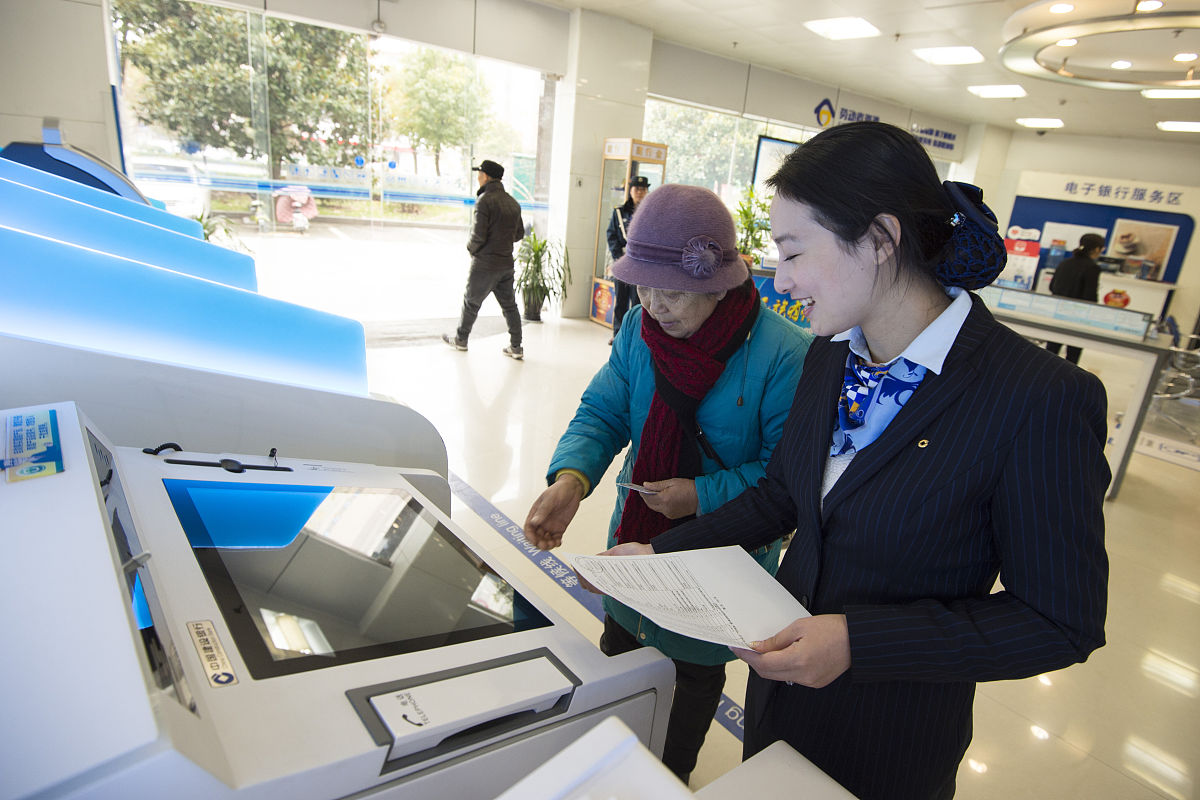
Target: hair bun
x,y
975,254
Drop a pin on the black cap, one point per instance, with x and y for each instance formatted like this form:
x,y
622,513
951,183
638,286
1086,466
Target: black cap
x,y
490,168
639,181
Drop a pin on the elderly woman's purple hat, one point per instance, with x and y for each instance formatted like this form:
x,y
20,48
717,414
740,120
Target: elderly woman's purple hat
x,y
682,238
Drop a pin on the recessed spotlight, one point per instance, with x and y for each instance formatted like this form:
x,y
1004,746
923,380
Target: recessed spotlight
x,y
1061,8
1149,5
1171,94
997,90
1039,732
1121,64
1184,58
1067,42
842,28
1040,122
945,56
1176,126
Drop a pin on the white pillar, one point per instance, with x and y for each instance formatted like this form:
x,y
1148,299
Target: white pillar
x,y
983,165
603,95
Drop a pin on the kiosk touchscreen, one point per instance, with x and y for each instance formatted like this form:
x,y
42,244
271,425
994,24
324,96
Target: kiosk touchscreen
x,y
253,627
401,580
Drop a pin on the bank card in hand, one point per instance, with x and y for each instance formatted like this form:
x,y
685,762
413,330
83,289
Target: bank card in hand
x,y
636,488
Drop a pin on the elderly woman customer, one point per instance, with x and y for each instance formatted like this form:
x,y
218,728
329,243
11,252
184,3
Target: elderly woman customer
x,y
698,383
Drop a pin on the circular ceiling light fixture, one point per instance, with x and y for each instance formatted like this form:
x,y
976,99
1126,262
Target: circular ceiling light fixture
x,y
1105,44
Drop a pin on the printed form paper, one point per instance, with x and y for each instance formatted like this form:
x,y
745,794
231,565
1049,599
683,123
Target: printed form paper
x,y
718,595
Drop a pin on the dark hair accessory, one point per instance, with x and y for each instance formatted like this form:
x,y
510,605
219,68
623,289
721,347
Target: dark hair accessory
x,y
975,253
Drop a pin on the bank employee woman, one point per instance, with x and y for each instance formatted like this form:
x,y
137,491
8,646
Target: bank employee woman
x,y
929,450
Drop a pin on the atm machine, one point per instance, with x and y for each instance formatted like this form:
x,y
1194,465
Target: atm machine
x,y
217,625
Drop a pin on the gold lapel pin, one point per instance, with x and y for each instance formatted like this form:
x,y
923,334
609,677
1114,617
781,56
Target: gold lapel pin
x,y
923,443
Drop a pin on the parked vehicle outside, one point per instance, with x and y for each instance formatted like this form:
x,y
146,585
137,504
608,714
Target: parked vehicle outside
x,y
174,182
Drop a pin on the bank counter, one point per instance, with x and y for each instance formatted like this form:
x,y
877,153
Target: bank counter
x,y
210,625
1120,332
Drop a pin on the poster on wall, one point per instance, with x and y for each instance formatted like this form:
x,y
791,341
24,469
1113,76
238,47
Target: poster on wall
x,y
1143,246
1059,240
1149,226
781,304
1022,264
603,299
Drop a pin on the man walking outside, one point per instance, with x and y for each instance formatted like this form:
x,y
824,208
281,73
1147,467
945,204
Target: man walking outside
x,y
497,227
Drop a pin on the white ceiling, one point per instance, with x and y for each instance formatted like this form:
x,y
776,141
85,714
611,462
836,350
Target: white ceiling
x,y
770,33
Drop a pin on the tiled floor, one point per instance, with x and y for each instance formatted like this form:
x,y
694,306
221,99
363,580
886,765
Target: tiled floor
x,y
1123,726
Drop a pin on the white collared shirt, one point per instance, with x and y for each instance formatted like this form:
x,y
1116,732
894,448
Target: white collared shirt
x,y
932,345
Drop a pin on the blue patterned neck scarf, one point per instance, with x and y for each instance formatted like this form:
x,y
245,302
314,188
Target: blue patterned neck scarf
x,y
872,396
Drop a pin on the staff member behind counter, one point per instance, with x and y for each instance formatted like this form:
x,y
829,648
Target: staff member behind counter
x,y
697,384
929,451
1078,277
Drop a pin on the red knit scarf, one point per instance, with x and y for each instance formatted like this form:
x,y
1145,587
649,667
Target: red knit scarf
x,y
684,372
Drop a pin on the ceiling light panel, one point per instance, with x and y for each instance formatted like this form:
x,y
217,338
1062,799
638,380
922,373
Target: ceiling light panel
x,y
1041,122
1171,94
949,56
1179,126
997,90
838,28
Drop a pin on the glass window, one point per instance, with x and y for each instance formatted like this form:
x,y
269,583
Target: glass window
x,y
713,149
264,125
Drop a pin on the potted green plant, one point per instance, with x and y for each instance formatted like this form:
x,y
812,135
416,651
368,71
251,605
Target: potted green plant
x,y
544,271
753,222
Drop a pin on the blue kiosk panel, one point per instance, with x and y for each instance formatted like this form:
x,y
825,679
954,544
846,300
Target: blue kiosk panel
x,y
68,294
35,211
100,198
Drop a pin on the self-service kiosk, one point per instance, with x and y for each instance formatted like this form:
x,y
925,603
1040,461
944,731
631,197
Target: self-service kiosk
x,y
211,625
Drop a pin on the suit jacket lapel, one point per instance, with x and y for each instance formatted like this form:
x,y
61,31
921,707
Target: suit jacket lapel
x,y
815,410
927,403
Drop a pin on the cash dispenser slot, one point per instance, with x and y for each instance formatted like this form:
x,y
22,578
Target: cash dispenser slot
x,y
440,713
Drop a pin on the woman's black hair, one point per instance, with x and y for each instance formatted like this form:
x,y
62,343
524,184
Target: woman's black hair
x,y
1089,242
850,174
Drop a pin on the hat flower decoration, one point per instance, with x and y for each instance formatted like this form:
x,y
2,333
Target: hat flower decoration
x,y
702,256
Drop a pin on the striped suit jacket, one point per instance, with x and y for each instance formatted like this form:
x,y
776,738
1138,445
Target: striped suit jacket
x,y
993,469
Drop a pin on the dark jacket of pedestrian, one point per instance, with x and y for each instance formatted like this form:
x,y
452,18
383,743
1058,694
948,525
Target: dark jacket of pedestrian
x,y
497,226
1079,275
622,216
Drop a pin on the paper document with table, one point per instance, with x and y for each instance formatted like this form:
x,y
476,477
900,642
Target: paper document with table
x,y
718,595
